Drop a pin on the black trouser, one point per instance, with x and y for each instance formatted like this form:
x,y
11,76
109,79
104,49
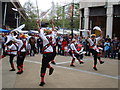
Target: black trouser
x,y
3,48
59,49
62,52
118,55
45,61
95,54
113,54
77,55
54,52
107,53
0,51
20,59
11,58
33,49
39,46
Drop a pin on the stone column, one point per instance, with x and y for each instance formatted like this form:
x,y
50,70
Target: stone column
x,y
80,20
109,23
86,15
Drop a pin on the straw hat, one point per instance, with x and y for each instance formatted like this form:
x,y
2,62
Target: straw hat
x,y
93,35
97,28
23,36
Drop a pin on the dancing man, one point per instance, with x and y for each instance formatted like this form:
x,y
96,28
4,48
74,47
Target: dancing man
x,y
47,52
75,53
93,41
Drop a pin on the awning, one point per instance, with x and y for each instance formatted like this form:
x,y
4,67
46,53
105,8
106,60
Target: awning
x,y
4,31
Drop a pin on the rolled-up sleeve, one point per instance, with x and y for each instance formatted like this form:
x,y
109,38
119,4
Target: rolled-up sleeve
x,y
98,39
41,34
20,43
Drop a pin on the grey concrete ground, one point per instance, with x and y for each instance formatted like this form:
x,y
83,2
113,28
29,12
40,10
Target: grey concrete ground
x,y
64,76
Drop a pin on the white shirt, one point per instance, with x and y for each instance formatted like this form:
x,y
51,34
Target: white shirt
x,y
92,43
45,41
54,35
13,47
72,46
19,42
24,49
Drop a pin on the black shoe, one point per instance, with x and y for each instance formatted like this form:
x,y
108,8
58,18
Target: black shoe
x,y
72,65
53,63
18,73
101,62
51,71
95,68
81,62
12,70
42,84
21,71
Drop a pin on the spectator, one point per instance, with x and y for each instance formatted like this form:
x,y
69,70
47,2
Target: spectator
x,y
108,38
4,39
59,42
107,49
0,44
64,44
32,42
119,51
39,45
114,45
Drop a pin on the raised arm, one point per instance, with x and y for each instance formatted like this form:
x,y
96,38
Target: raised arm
x,y
38,25
52,23
88,35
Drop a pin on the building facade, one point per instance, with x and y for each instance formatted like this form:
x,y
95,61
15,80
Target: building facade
x,y
104,14
10,17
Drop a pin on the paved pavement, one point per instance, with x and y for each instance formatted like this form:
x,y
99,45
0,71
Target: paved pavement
x,y
64,76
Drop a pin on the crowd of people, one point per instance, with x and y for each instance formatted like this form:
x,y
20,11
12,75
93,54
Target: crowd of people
x,y
49,43
111,47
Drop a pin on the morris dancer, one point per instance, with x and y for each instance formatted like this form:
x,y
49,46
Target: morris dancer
x,y
54,35
75,53
47,53
12,52
94,49
21,53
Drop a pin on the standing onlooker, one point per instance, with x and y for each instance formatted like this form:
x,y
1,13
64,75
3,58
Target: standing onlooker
x,y
119,51
107,49
108,38
114,45
32,42
39,44
59,42
64,44
4,38
0,44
